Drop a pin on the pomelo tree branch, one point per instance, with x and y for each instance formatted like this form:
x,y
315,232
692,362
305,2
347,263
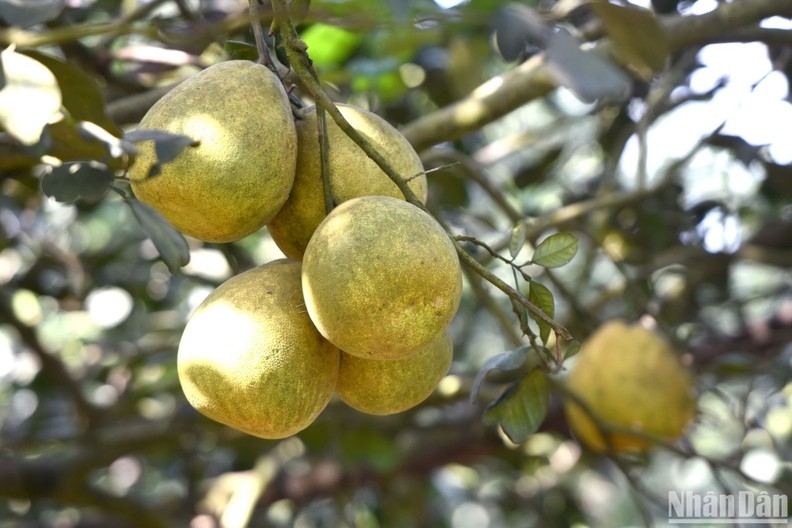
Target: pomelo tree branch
x,y
607,430
492,100
296,51
532,79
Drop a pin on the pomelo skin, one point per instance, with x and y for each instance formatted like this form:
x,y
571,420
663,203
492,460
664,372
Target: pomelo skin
x,y
251,359
629,377
382,387
380,278
241,172
352,173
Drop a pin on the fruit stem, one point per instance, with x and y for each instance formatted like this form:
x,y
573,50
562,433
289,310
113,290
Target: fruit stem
x,y
298,59
324,161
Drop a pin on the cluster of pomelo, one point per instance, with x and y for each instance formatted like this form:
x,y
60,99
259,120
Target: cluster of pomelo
x,y
361,305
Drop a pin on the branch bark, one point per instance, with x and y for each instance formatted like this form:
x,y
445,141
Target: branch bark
x,y
532,79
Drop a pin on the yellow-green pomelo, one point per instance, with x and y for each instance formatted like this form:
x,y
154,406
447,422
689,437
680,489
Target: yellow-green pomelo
x,y
250,357
381,278
241,172
629,377
352,173
377,386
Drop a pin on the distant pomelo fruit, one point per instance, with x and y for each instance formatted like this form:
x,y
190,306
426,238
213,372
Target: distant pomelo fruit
x,y
381,278
631,378
251,359
381,387
352,173
241,173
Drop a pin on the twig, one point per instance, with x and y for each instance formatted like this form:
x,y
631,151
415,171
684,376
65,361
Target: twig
x,y
637,488
607,430
475,241
32,39
258,35
495,310
655,102
142,11
472,170
468,260
132,108
295,51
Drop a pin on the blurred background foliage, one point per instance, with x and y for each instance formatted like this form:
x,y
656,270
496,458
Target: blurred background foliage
x,y
675,180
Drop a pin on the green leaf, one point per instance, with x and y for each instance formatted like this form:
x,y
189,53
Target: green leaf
x,y
82,96
72,181
638,39
505,361
170,243
517,239
29,99
387,84
522,408
542,297
556,250
330,46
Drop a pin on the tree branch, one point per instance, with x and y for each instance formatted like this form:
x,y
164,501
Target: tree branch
x,y
684,31
532,79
